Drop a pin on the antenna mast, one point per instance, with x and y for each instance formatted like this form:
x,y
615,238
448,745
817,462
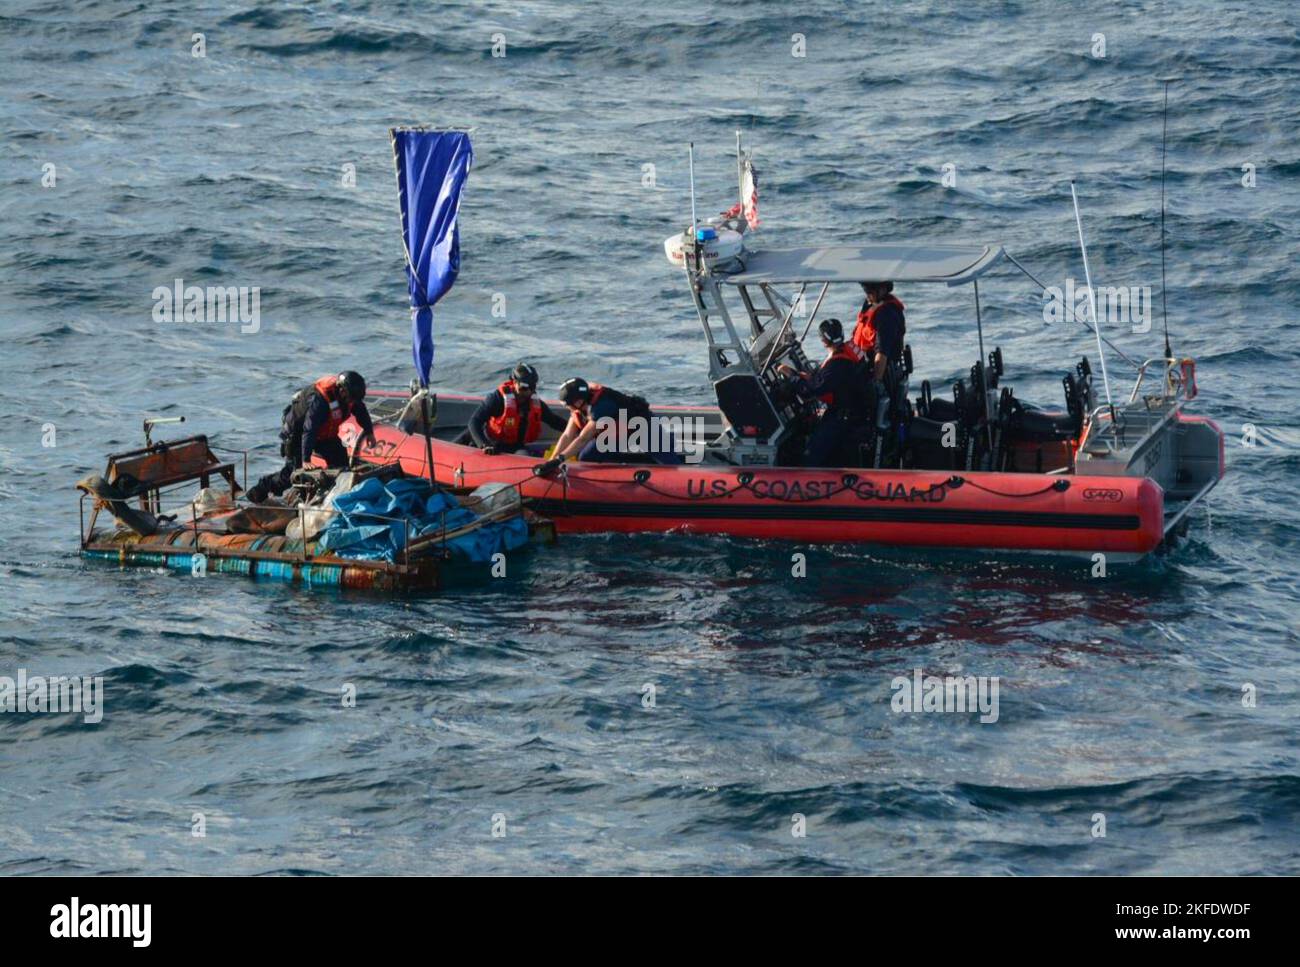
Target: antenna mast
x,y
1092,301
690,154
1164,306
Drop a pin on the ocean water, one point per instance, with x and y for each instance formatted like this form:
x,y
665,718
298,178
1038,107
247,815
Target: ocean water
x,y
519,705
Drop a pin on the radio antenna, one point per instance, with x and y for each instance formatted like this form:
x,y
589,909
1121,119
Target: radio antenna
x,y
690,156
1092,302
1164,305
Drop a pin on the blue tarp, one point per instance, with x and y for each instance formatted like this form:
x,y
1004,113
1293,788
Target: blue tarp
x,y
354,531
431,170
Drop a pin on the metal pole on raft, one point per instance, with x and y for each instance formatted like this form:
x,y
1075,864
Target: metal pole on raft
x,y
428,435
1092,303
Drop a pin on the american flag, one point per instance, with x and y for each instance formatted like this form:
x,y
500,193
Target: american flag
x,y
749,192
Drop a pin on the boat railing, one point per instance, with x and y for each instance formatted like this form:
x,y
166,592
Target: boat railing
x,y
1092,432
1175,379
1176,374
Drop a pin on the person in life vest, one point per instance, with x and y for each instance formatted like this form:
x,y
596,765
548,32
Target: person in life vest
x,y
881,333
511,416
604,424
840,383
311,425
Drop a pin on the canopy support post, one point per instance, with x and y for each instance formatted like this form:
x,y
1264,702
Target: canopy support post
x,y
785,324
813,315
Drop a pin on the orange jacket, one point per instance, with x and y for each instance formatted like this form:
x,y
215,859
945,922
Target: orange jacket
x,y
864,333
506,426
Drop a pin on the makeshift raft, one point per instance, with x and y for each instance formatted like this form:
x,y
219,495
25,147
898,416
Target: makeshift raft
x,y
222,535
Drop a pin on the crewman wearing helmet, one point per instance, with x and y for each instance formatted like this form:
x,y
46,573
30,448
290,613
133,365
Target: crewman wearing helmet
x,y
311,425
593,408
511,416
841,383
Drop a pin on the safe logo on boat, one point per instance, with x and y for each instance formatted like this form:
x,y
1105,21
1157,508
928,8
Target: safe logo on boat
x,y
1107,494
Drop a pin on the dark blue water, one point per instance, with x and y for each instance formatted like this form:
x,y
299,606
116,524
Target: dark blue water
x,y
522,697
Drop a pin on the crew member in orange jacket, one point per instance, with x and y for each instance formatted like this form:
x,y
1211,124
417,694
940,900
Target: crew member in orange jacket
x,y
882,327
511,416
311,425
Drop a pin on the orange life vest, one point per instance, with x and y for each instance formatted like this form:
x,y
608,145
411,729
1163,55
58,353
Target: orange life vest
x,y
864,333
848,352
328,387
506,426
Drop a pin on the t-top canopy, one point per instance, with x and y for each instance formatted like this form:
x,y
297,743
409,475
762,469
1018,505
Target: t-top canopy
x,y
914,262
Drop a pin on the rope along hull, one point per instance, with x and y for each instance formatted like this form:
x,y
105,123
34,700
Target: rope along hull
x,y
1116,515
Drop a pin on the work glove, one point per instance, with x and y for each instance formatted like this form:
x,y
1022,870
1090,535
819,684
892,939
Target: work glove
x,y
491,451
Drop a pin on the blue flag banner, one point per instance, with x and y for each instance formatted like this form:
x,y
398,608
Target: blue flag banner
x,y
431,170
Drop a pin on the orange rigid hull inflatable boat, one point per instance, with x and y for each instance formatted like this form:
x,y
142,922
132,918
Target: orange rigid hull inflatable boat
x,y
963,464
1122,516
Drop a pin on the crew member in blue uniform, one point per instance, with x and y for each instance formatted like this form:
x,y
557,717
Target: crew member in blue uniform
x,y
840,382
311,425
592,408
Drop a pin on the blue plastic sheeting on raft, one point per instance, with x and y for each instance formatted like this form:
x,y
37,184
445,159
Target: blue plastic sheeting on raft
x,y
357,533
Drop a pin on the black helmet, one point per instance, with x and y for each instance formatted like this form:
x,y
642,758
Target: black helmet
x,y
353,384
525,375
574,390
832,331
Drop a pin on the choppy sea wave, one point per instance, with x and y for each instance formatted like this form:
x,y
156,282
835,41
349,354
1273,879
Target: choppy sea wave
x,y
525,698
